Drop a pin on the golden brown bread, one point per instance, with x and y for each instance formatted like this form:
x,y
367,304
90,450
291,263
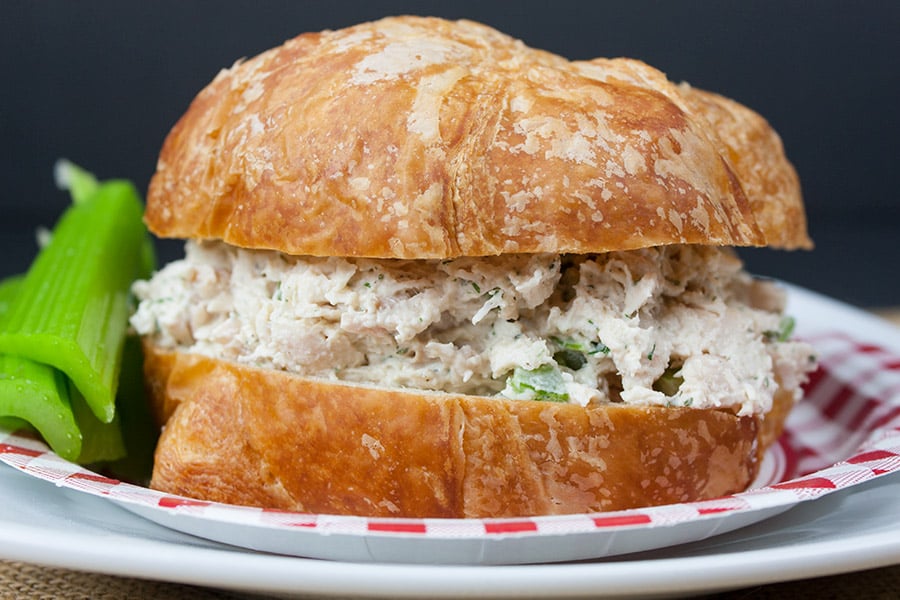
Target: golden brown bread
x,y
757,155
245,435
423,138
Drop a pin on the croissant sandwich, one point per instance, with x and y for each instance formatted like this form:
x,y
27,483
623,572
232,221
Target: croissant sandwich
x,y
433,272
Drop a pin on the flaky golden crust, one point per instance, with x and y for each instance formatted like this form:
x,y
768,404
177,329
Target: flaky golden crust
x,y
424,138
258,437
757,155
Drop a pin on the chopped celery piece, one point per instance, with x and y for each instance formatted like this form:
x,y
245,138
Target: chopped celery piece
x,y
569,344
542,383
669,382
594,347
71,311
573,354
785,330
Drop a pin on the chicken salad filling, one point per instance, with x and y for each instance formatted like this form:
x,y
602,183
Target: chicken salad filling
x,y
673,326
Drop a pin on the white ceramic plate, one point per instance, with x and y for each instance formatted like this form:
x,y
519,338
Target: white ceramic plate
x,y
854,524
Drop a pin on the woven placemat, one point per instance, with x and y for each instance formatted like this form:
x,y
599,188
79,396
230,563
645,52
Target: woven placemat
x,y
20,580
874,584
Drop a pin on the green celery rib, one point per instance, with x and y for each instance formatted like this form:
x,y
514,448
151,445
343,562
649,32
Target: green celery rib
x,y
13,423
39,395
139,430
9,289
34,394
72,309
100,442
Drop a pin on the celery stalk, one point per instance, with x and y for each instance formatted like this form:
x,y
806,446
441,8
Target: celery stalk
x,y
100,442
34,395
72,309
139,429
39,395
82,185
9,289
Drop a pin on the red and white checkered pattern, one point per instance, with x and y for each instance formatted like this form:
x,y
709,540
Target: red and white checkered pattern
x,y
845,432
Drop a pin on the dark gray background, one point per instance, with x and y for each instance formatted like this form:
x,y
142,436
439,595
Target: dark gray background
x,y
102,82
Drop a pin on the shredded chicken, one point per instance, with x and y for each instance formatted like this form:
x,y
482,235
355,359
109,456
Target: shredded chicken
x,y
676,325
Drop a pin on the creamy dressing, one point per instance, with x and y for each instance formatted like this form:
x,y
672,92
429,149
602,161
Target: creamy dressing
x,y
676,326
